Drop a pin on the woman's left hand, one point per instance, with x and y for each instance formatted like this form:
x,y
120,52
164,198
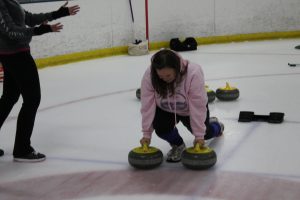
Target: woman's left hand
x,y
64,11
73,10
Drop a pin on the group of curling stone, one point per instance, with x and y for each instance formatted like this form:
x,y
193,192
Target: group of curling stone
x,y
227,93
196,157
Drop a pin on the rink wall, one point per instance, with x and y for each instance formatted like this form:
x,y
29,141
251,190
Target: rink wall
x,y
104,27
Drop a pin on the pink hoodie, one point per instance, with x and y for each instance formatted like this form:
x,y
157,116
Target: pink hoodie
x,y
190,100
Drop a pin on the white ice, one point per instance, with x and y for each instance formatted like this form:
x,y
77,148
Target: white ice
x,y
89,120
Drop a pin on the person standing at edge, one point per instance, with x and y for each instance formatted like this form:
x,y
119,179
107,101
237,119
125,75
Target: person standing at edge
x,y
17,26
173,90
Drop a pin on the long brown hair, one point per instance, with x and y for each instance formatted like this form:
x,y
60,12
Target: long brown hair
x,y
165,59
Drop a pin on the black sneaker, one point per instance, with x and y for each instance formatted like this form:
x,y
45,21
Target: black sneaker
x,y
32,157
1,152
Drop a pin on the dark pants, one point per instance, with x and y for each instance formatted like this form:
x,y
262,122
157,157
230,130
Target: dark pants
x,y
164,123
20,78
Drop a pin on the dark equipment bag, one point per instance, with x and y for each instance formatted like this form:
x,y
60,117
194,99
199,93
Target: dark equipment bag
x,y
188,44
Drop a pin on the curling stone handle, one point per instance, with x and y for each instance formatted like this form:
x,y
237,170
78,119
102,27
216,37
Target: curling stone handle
x,y
198,147
227,86
145,146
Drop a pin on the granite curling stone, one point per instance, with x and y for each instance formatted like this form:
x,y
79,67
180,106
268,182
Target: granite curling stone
x,y
145,157
227,93
138,93
198,158
211,95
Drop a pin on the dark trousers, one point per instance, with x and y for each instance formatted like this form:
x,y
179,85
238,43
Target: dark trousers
x,y
20,78
164,123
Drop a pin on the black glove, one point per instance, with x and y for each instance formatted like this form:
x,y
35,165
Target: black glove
x,y
44,28
61,12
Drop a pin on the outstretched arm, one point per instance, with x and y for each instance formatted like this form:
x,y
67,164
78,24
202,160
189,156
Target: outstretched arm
x,y
37,19
64,11
46,28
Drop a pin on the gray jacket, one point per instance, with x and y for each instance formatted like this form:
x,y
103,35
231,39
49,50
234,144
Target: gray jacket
x,y
16,26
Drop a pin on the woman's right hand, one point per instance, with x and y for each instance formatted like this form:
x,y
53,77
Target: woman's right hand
x,y
201,142
145,140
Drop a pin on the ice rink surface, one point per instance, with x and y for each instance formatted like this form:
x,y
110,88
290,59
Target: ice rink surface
x,y
89,119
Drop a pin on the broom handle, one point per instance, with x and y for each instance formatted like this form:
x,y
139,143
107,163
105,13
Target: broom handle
x,y
147,23
132,17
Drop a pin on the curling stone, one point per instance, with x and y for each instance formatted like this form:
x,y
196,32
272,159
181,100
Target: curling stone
x,y
1,152
138,93
145,157
210,94
227,93
198,157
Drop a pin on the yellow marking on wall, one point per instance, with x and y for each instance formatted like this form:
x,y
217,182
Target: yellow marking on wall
x,y
100,53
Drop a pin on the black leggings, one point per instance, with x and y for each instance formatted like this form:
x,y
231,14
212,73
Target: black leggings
x,y
164,124
20,78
